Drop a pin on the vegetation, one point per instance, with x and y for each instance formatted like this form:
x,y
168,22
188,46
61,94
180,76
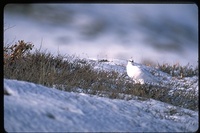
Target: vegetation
x,y
178,70
69,73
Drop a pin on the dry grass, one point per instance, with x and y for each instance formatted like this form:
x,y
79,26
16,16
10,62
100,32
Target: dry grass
x,y
178,70
70,73
175,70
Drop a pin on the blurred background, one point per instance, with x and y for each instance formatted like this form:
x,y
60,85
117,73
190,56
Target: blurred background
x,y
161,33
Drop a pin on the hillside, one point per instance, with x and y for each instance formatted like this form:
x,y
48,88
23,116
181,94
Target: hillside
x,y
30,107
43,93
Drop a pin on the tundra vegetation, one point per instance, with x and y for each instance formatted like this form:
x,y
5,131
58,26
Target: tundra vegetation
x,y
70,73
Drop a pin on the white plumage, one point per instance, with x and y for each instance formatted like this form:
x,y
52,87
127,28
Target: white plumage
x,y
138,73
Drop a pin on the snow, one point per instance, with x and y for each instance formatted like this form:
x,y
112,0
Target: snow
x,y
161,78
31,107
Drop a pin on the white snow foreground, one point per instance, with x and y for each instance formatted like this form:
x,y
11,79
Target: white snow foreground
x,y
34,108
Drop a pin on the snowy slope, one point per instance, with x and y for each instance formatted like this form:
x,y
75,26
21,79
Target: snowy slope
x,y
31,107
164,79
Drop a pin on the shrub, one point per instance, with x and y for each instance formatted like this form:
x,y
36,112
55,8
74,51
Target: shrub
x,y
14,52
178,70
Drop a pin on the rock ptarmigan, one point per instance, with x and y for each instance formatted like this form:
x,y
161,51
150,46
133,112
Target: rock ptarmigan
x,y
139,74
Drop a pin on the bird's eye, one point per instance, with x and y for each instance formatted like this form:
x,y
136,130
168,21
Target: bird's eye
x,y
130,60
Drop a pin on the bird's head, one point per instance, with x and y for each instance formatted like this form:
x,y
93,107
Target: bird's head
x,y
131,60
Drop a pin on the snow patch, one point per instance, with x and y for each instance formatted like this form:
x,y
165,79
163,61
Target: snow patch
x,y
35,108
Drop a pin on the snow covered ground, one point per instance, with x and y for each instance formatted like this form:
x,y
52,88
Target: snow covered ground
x,y
174,83
29,107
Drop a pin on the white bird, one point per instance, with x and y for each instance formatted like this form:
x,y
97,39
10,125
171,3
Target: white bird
x,y
138,73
